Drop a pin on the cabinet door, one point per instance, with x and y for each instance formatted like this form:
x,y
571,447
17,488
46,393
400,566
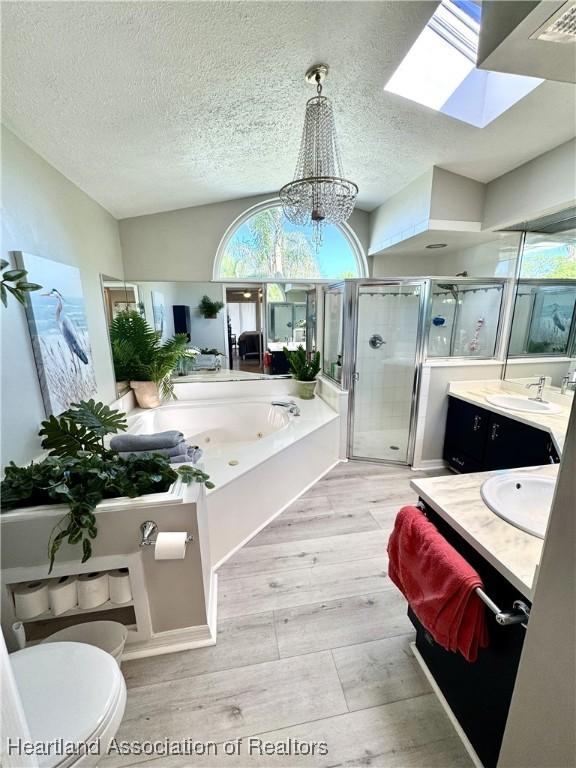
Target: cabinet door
x,y
459,460
513,444
467,428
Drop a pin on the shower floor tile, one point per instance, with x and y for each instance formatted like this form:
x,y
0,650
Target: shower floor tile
x,y
390,444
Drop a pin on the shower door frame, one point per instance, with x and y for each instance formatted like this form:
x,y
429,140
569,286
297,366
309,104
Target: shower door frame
x,y
351,309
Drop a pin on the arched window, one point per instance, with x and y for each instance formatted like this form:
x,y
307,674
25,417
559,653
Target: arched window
x,y
263,245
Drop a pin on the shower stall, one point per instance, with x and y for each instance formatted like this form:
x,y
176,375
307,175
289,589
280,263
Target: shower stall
x,y
377,335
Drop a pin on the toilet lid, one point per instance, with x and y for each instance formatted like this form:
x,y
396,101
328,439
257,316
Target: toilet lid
x,y
67,691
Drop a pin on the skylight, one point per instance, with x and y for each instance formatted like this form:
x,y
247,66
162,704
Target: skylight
x,y
439,70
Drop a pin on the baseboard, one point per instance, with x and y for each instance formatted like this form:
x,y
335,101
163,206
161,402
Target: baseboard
x,y
170,642
426,465
213,605
446,707
273,517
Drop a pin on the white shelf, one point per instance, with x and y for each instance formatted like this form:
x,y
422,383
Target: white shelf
x,y
107,606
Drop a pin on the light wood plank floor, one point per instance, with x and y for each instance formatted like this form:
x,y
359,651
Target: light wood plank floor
x,y
313,645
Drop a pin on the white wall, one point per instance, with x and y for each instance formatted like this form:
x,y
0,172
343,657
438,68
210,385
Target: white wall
x,y
495,258
47,215
403,215
181,245
455,198
203,333
540,730
544,185
433,404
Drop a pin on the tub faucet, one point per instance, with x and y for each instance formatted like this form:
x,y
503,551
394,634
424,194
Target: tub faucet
x,y
289,404
541,383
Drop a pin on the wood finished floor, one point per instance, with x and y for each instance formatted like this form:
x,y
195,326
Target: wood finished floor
x,y
313,644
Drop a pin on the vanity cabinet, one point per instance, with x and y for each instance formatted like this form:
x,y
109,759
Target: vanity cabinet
x,y
477,440
478,693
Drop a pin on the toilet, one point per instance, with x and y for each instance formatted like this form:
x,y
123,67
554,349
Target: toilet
x,y
71,692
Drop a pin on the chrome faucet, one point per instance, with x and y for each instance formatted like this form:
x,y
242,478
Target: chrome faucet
x,y
541,383
289,404
568,382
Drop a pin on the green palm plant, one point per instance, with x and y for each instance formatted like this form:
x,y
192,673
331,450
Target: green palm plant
x,y
140,355
302,368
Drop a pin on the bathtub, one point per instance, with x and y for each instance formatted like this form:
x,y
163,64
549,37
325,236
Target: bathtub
x,y
220,428
259,457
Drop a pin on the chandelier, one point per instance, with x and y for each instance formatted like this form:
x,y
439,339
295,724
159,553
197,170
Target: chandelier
x,y
319,194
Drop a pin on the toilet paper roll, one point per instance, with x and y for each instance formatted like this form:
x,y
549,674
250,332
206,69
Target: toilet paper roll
x,y
119,584
31,599
92,589
63,594
170,546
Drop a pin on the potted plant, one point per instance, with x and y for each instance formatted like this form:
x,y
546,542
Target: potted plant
x,y
80,472
20,285
209,309
141,358
304,370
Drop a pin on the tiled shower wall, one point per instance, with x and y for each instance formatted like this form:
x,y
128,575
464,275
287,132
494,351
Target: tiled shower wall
x,y
384,392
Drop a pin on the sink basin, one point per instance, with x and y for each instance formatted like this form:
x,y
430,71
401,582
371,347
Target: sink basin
x,y
523,404
524,500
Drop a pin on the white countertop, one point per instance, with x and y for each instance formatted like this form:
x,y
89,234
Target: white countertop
x,y
456,498
556,424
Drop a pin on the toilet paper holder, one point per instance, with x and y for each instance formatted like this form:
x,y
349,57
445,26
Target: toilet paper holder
x,y
149,532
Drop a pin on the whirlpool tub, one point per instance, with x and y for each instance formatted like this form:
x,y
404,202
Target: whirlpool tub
x,y
259,456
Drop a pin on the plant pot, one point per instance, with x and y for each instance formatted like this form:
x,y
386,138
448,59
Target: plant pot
x,y
306,389
146,393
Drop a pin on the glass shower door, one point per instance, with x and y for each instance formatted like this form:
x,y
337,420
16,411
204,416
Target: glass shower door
x,y
387,357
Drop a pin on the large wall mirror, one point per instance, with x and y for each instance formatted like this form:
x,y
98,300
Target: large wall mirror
x,y
543,332
239,330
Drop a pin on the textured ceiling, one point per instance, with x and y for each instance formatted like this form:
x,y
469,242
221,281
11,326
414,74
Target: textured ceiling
x,y
151,106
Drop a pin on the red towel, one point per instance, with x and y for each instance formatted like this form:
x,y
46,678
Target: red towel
x,y
438,583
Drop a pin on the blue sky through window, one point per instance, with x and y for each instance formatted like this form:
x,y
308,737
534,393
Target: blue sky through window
x,y
268,246
439,71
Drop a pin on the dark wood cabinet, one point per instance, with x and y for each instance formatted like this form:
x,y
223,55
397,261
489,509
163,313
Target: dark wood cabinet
x,y
478,693
477,439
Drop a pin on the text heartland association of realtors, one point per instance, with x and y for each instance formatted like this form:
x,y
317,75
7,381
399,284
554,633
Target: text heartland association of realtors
x,y
251,746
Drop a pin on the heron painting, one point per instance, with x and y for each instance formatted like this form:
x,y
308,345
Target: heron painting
x,y
59,332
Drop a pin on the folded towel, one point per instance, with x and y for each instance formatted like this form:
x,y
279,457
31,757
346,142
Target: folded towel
x,y
180,454
158,440
192,456
438,583
177,450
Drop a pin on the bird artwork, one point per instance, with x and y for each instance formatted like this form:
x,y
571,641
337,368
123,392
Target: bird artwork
x,y
557,318
59,333
67,327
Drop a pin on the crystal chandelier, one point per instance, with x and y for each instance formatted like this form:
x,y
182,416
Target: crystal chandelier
x,y
319,194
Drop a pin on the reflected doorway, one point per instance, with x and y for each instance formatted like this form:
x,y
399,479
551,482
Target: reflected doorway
x,y
245,328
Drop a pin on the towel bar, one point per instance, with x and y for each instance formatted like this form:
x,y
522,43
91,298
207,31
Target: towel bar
x,y
519,614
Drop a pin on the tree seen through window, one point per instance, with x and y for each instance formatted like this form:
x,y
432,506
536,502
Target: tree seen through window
x,y
266,245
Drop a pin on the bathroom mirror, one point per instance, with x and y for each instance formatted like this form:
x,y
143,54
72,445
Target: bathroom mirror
x,y
542,339
242,339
